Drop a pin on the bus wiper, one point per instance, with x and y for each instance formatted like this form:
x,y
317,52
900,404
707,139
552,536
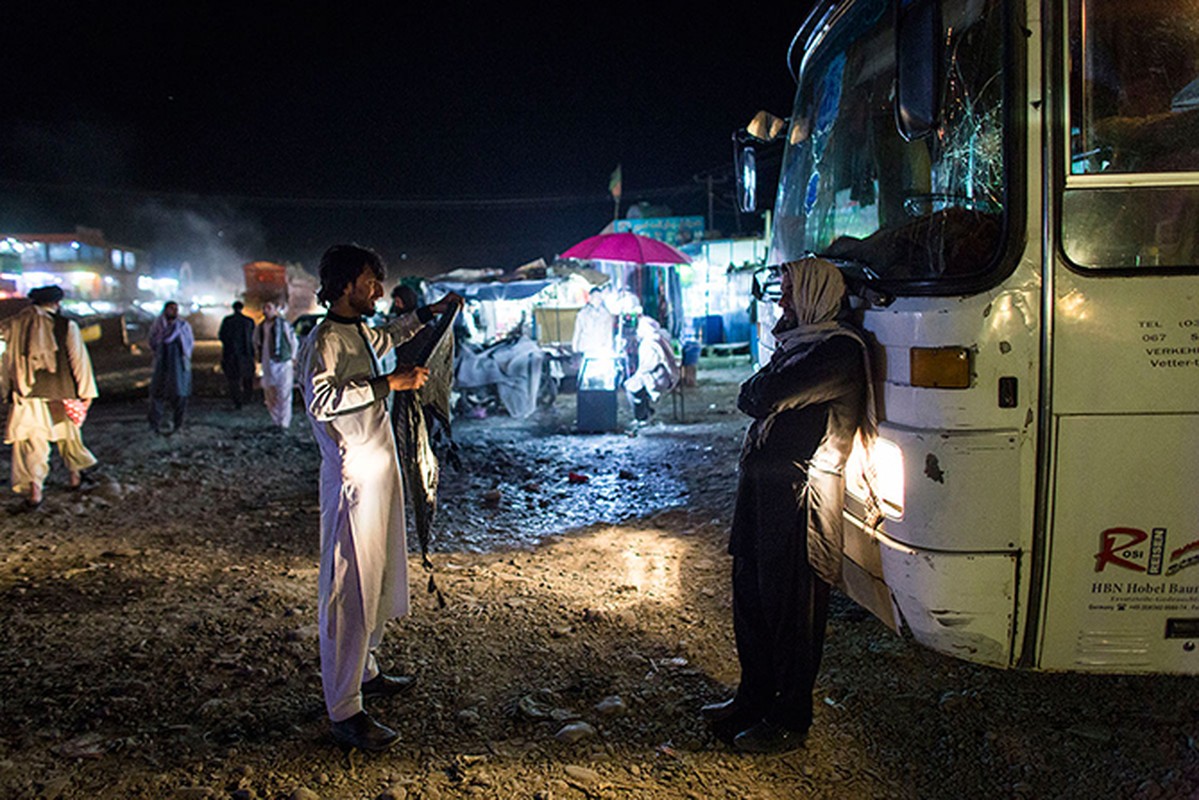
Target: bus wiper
x,y
855,268
859,276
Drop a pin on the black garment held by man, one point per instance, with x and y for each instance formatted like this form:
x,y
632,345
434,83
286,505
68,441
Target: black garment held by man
x,y
810,398
237,354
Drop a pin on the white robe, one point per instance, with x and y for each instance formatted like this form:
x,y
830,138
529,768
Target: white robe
x,y
277,376
363,578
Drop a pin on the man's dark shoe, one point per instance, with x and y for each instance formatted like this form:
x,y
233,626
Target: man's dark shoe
x,y
767,737
384,685
363,733
727,729
718,712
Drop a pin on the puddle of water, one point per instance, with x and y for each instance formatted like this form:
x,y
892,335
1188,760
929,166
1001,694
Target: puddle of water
x,y
515,491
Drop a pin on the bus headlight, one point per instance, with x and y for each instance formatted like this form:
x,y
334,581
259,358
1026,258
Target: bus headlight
x,y
887,464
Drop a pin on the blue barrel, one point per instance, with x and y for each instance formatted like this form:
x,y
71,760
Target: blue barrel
x,y
690,353
714,329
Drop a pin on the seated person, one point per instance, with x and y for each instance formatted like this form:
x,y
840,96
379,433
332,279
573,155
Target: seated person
x,y
657,369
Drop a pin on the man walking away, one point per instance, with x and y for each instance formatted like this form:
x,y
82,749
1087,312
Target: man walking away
x,y
275,349
237,354
48,376
363,579
172,342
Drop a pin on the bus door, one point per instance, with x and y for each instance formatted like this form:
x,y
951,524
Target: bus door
x,y
1122,560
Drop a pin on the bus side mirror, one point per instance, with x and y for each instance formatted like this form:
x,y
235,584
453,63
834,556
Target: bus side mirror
x,y
745,167
918,60
757,160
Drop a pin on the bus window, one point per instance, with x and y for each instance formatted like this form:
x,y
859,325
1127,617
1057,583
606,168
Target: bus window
x,y
1134,109
1134,86
927,213
1143,228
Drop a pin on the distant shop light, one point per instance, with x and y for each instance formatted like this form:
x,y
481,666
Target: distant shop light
x,y
146,283
34,279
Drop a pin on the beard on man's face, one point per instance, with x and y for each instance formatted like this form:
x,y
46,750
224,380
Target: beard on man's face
x,y
364,305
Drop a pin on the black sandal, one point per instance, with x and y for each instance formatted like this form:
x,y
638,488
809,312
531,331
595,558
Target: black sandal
x,y
85,480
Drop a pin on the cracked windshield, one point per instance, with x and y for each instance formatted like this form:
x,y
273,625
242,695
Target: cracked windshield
x,y
853,188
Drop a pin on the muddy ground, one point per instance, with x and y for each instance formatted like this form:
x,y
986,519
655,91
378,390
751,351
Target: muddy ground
x,y
159,638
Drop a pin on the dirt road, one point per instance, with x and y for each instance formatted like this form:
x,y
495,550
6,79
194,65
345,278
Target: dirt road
x,y
159,639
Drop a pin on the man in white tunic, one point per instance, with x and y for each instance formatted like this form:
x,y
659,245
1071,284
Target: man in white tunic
x,y
363,578
275,349
48,376
594,327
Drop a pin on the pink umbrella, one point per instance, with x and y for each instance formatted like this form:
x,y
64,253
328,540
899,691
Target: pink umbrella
x,y
630,248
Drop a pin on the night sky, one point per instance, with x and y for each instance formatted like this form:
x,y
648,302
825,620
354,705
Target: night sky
x,y
444,135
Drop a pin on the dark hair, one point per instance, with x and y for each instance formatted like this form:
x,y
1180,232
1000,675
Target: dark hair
x,y
45,295
405,295
341,265
238,305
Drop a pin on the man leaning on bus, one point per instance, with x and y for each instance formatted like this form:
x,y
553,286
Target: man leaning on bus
x,y
808,404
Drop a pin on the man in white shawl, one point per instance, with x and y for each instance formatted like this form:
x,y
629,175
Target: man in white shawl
x,y
808,404
48,377
275,349
363,579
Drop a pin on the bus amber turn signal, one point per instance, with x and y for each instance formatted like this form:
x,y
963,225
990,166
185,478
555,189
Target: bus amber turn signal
x,y
940,367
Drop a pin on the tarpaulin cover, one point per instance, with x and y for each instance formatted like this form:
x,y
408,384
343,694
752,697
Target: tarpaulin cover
x,y
491,290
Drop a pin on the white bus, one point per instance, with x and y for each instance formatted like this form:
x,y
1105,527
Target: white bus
x,y
1012,189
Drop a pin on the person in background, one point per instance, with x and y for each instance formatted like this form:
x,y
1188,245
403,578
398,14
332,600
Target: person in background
x,y
657,370
237,354
172,342
808,404
364,557
403,300
275,348
594,328
48,376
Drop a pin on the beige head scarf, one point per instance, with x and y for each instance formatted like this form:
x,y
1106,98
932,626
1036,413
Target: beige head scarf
x,y
817,291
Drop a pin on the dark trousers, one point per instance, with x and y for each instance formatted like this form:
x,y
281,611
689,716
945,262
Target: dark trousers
x,y
240,375
158,406
643,406
780,609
